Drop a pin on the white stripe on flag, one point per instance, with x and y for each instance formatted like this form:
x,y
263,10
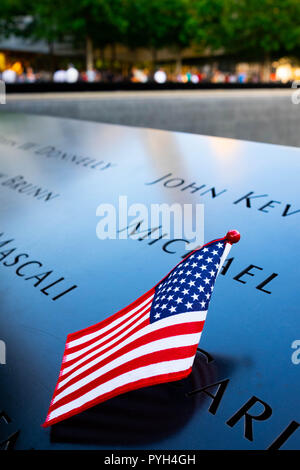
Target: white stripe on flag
x,y
168,321
152,370
88,337
159,345
82,351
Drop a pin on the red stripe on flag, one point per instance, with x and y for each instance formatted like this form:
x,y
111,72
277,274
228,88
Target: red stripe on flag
x,y
154,380
142,361
168,331
67,363
111,318
131,320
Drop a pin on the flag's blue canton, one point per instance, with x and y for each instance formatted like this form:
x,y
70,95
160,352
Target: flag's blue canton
x,y
189,286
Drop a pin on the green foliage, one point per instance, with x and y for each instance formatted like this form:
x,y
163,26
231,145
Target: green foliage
x,y
261,26
236,26
206,22
103,21
157,23
10,13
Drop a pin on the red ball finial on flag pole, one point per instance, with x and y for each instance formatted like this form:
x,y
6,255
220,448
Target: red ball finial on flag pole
x,y
233,236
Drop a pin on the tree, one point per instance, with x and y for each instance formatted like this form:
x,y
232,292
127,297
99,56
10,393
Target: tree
x,y
206,20
157,24
41,22
82,22
11,12
256,29
261,28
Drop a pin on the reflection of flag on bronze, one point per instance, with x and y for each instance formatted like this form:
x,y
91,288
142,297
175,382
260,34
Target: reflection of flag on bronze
x,y
153,340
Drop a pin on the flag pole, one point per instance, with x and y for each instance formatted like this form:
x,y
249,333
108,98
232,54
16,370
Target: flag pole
x,y
233,236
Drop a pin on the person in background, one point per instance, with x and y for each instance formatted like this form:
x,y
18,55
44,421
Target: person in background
x,y
9,75
242,77
72,74
30,76
160,76
232,78
90,75
59,76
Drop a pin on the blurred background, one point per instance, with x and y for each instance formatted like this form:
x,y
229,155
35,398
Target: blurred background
x,y
218,67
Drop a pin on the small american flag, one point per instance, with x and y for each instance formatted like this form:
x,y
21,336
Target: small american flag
x,y
151,341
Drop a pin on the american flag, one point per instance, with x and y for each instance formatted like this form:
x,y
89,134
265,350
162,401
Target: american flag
x,y
153,340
